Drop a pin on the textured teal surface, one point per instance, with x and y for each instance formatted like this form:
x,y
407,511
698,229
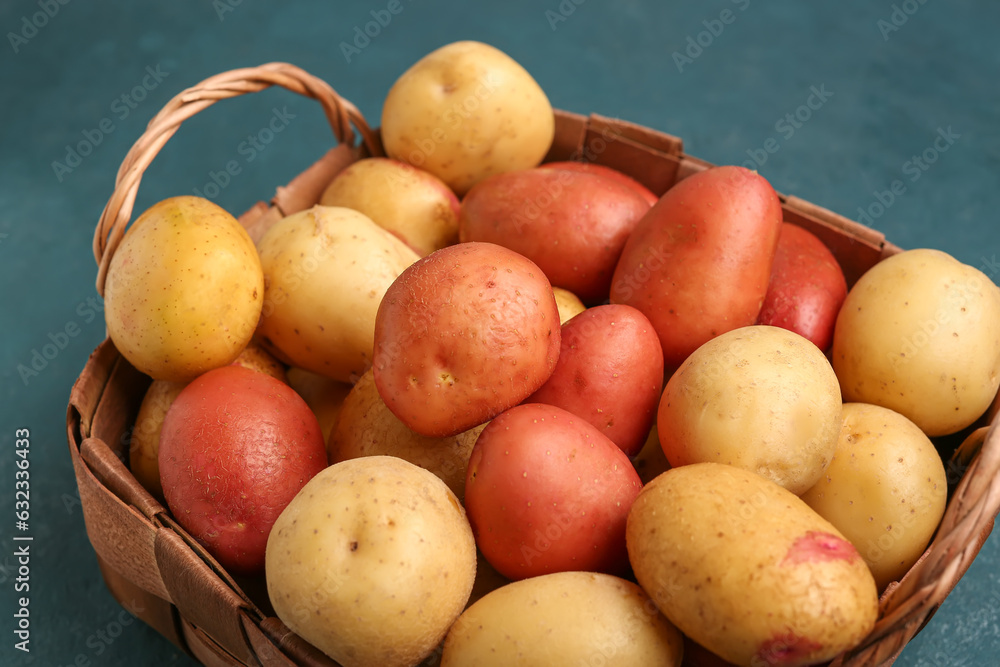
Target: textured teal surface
x,y
886,95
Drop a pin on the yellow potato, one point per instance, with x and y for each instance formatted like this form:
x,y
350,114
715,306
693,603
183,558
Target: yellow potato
x,y
325,397
256,358
747,569
920,334
569,304
371,562
144,445
367,427
467,111
184,290
885,489
326,270
760,398
413,204
567,618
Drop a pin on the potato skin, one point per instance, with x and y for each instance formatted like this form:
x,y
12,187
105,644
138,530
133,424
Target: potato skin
x,y
184,290
919,333
741,565
606,172
413,204
806,288
326,270
467,111
885,489
547,492
462,335
569,304
567,618
610,373
366,427
144,446
760,398
236,446
572,224
698,263
372,562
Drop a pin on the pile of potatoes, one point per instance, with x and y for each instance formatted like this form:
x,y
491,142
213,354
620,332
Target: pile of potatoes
x,y
542,415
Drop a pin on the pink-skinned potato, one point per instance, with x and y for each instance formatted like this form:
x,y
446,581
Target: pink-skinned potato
x,y
572,224
235,447
547,492
606,172
745,567
806,288
610,372
699,262
462,335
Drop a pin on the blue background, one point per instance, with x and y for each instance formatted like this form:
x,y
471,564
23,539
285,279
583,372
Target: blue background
x,y
891,92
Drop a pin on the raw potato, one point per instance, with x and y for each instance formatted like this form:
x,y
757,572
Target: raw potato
x,y
572,224
467,111
698,263
372,562
367,427
760,398
920,334
885,489
806,289
464,334
567,618
568,304
610,373
144,447
413,204
547,492
184,290
326,270
746,568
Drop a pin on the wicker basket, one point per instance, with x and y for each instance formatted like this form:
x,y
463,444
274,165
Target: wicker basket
x,y
156,570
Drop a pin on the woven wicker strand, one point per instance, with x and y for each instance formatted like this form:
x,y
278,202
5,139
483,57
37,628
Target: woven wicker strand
x,y
340,113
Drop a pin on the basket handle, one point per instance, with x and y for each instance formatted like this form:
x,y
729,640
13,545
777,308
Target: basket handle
x,y
340,113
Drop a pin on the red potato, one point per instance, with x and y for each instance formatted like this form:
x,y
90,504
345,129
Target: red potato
x,y
572,224
610,372
698,264
606,172
462,335
547,492
235,447
806,288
